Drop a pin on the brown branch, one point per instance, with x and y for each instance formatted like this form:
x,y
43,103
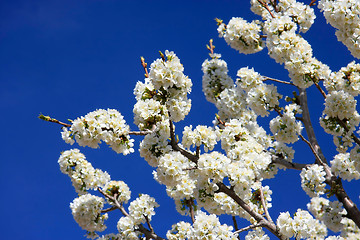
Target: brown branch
x,y
353,212
335,184
49,119
249,227
266,7
235,225
148,234
343,125
149,224
258,217
109,209
176,147
140,133
302,97
277,80
262,198
320,89
312,3
190,203
287,164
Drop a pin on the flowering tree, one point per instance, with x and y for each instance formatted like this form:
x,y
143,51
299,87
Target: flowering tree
x,y
206,180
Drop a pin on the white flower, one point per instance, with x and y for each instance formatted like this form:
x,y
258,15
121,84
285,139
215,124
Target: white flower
x,y
262,98
285,128
343,166
101,125
86,211
345,16
213,166
201,135
313,180
82,174
303,225
331,213
126,228
248,78
215,78
142,208
340,104
242,35
118,188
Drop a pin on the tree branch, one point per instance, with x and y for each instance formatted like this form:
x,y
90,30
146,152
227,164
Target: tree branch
x,y
148,234
308,125
277,80
262,198
258,217
249,227
175,146
289,165
49,119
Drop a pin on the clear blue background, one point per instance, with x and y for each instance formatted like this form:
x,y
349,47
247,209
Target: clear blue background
x,y
67,58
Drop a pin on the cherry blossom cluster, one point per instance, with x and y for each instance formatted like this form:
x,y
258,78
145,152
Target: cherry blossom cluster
x,y
141,210
302,14
119,190
289,48
340,105
331,213
280,27
313,180
260,97
108,126
204,227
174,171
163,94
285,127
215,78
86,210
201,135
201,176
343,166
302,225
344,15
242,35
82,174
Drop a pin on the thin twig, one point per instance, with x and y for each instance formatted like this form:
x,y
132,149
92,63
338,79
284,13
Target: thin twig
x,y
211,47
277,80
258,217
266,7
190,203
343,125
176,147
144,64
319,161
140,133
49,119
262,197
149,224
148,234
109,209
288,165
235,226
320,89
219,120
312,3
249,227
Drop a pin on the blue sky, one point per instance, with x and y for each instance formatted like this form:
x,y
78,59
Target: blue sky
x,y
67,58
